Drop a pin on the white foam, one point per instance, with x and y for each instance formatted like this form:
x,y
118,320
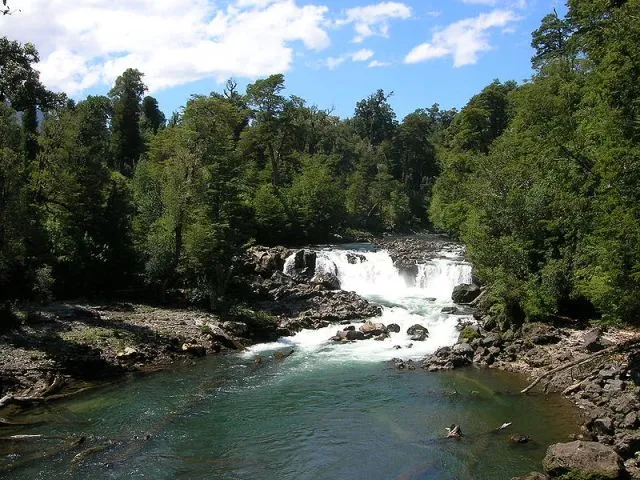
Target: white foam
x,y
373,276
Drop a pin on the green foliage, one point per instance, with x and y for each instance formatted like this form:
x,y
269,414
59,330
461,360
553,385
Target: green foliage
x,y
470,334
540,181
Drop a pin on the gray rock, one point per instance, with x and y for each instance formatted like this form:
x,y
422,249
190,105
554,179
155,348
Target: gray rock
x,y
463,349
393,328
355,335
630,420
418,332
465,293
491,340
327,280
582,458
593,340
239,329
370,328
603,426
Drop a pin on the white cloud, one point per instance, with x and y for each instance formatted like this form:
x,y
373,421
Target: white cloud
x,y
377,63
90,42
463,40
373,20
361,55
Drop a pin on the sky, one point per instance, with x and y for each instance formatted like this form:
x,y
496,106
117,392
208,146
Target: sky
x,y
333,52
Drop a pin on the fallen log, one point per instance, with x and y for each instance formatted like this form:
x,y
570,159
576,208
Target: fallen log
x,y
30,400
621,347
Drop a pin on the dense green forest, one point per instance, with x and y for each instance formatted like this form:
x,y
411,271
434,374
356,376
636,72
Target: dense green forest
x,y
106,195
540,179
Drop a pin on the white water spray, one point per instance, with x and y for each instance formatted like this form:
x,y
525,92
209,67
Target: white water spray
x,y
406,300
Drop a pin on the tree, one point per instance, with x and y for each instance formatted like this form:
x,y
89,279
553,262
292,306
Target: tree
x,y
374,119
551,41
151,118
126,96
20,86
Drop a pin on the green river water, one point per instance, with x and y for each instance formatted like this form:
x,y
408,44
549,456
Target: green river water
x,y
327,412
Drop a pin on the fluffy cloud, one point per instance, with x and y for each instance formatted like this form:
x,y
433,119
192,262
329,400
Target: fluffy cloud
x,y
463,40
361,55
378,63
374,19
89,42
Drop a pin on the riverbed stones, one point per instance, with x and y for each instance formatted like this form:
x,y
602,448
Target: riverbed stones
x,y
582,458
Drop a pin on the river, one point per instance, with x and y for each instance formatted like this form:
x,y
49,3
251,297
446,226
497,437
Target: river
x,y
329,411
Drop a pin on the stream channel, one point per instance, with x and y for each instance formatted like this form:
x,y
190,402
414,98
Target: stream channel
x,y
329,411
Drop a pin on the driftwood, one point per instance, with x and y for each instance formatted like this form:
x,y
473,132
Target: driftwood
x,y
621,347
30,400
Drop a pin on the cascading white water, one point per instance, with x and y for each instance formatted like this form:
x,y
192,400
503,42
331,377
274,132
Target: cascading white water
x,y
406,301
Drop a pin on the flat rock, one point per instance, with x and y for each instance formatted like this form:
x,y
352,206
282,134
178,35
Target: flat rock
x,y
582,458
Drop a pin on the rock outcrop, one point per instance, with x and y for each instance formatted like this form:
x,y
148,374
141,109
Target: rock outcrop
x,y
589,459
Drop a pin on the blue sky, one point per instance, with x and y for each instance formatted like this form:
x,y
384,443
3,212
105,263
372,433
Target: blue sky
x,y
333,53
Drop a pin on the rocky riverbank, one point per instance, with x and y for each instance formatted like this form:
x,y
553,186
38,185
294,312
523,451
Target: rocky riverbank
x,y
60,348
598,369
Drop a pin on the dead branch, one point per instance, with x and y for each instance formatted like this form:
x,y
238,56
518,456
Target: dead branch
x,y
628,345
22,401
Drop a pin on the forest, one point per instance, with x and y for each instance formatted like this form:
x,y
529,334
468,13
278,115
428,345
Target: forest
x,y
106,197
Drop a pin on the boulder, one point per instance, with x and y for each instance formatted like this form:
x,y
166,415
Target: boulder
x,y
393,328
239,329
593,341
465,293
354,335
370,328
418,332
327,280
463,349
582,458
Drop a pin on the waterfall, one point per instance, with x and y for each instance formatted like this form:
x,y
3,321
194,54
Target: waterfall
x,y
406,300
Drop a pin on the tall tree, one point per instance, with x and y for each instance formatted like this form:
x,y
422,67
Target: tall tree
x,y
126,96
374,118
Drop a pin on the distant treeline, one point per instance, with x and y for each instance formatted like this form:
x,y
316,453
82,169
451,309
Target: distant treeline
x,y
540,180
105,194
